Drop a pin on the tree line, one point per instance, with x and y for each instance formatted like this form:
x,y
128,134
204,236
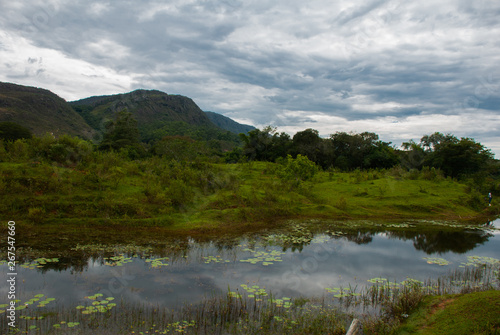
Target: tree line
x,y
457,158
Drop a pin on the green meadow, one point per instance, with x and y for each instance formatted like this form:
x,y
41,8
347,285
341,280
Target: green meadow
x,y
203,196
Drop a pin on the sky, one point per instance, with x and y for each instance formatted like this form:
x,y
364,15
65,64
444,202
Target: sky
x,y
401,69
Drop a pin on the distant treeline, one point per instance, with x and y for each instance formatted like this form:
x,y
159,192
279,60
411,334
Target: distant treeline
x,y
458,158
350,151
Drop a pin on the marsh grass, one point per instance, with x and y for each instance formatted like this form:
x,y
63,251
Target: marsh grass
x,y
221,314
382,306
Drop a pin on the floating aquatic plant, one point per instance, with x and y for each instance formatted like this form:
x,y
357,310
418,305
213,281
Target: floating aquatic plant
x,y
97,305
480,261
119,260
39,263
157,262
378,280
267,258
33,301
320,239
283,302
122,249
342,292
400,225
215,259
255,291
436,260
65,324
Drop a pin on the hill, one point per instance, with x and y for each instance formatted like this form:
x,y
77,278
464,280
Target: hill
x,y
229,124
41,111
158,114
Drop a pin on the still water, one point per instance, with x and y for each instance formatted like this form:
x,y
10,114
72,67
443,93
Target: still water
x,y
300,262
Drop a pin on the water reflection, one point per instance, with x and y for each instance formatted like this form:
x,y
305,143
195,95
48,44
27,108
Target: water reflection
x,y
296,263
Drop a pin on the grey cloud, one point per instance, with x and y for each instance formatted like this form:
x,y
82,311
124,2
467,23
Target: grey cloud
x,y
419,58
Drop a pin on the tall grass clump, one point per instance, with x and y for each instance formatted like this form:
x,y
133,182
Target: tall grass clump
x,y
230,313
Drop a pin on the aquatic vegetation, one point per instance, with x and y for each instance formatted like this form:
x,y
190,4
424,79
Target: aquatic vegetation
x,y
340,292
101,306
255,291
283,302
335,233
119,260
378,280
480,261
118,249
157,262
36,301
264,257
38,263
297,234
63,324
215,259
400,225
436,260
321,238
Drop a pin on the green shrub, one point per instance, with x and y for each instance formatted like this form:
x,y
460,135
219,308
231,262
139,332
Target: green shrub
x,y
341,204
297,169
36,214
180,194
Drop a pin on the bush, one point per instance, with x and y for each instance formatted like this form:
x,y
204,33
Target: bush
x,y
180,194
36,214
296,169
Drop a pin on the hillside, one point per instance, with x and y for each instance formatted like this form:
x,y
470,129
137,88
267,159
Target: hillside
x,y
41,111
229,124
157,113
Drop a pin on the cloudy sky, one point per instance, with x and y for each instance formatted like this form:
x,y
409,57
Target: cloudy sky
x,y
401,69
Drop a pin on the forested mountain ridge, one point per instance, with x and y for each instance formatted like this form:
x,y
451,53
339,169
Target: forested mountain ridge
x,y
40,111
158,114
226,123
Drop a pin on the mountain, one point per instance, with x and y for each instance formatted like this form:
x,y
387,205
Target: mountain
x,y
41,111
158,114
229,124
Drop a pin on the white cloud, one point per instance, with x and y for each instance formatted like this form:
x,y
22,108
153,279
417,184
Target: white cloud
x,y
397,68
50,69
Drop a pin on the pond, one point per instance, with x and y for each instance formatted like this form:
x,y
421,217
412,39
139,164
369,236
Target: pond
x,y
303,261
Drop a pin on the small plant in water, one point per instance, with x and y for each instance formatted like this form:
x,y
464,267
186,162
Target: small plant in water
x,y
98,306
119,260
39,263
157,262
267,258
436,260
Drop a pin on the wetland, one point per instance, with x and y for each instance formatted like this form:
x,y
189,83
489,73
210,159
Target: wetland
x,y
268,279
108,242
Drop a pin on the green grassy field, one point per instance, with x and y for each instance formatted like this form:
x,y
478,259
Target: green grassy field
x,y
193,196
474,313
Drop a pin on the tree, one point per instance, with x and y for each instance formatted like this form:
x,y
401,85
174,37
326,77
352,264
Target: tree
x,y
412,156
10,131
364,150
265,144
459,157
121,133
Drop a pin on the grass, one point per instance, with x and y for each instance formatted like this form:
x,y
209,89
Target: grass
x,y
461,314
200,196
